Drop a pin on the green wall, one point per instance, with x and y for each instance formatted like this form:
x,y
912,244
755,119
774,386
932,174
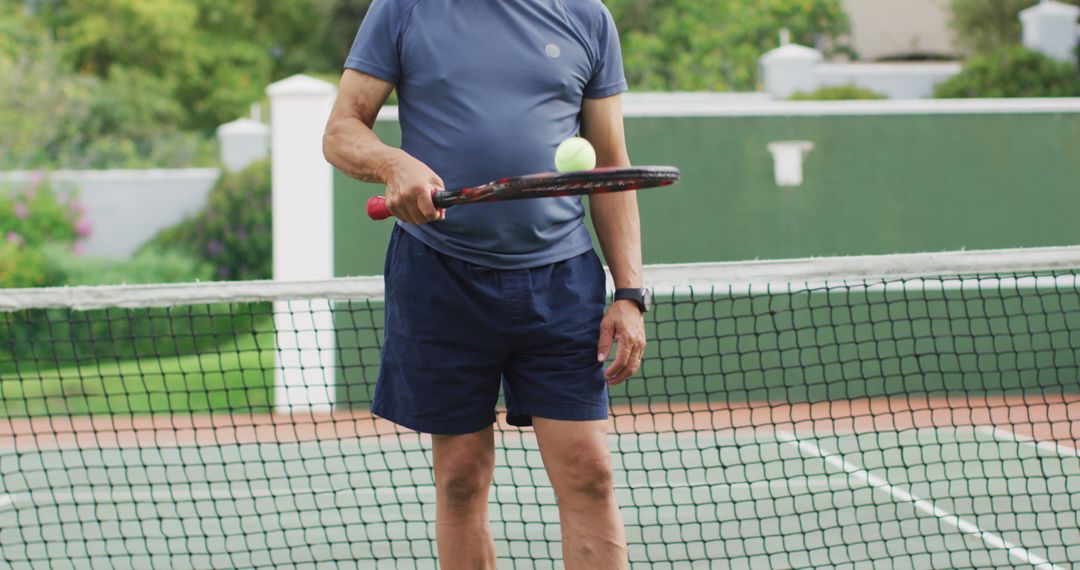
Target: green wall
x,y
843,344
359,243
874,184
820,345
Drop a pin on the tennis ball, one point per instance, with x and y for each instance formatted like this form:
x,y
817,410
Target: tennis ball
x,y
575,154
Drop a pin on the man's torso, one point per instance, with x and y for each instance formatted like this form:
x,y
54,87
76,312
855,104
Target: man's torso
x,y
488,89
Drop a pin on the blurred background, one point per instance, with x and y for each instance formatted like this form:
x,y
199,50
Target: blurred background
x,y
830,412
135,135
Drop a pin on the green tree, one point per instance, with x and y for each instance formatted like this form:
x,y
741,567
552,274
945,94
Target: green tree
x,y
55,118
694,45
983,26
1012,71
19,32
326,46
214,57
42,107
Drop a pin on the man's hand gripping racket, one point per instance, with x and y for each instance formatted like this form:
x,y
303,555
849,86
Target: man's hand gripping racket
x,y
595,181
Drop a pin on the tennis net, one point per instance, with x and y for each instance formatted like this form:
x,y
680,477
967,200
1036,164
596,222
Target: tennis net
x,y
908,410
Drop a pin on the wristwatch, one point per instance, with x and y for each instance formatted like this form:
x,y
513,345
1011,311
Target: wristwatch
x,y
640,297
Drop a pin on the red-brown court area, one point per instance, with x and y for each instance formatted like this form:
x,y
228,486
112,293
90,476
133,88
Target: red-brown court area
x,y
1043,417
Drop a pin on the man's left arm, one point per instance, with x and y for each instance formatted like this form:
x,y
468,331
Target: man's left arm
x,y
618,228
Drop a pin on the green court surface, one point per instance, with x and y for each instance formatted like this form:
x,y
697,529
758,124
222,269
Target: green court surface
x,y
956,497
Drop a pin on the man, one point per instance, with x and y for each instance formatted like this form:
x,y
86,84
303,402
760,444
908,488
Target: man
x,y
505,293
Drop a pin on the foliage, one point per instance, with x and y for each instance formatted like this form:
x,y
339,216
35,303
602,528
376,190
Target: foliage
x,y
667,44
22,267
130,114
40,106
19,32
694,45
107,336
214,57
236,377
150,265
324,49
1012,71
837,93
983,26
233,232
137,83
54,118
42,242
30,218
35,215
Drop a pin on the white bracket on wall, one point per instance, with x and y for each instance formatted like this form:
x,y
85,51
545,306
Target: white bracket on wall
x,y
788,159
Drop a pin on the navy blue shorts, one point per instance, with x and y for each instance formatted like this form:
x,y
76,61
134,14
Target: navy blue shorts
x,y
456,331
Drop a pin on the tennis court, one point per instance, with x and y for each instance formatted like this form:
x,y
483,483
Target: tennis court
x,y
832,422
778,496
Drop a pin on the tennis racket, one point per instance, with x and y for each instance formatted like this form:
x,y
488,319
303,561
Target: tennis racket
x,y
545,185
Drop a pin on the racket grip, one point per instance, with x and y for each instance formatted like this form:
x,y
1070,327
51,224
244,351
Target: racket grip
x,y
376,208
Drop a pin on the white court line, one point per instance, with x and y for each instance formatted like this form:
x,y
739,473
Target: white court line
x,y
1018,553
6,501
1047,446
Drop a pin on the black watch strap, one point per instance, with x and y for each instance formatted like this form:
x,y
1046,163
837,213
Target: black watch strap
x,y
638,296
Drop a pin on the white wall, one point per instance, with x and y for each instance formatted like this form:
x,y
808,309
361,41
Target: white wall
x,y
884,28
127,207
896,80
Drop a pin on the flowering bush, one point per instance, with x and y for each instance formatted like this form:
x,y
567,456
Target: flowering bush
x,y
35,215
30,218
233,232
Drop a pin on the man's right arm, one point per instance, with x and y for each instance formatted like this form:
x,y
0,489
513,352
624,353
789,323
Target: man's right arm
x,y
350,145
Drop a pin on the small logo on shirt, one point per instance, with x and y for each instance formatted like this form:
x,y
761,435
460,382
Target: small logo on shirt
x,y
552,51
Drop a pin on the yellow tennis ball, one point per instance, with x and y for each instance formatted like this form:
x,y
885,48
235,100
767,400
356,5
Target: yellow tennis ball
x,y
575,154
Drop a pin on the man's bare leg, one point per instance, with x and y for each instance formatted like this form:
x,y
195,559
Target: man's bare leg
x,y
464,465
578,462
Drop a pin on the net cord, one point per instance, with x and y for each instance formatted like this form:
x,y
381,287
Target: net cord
x,y
767,275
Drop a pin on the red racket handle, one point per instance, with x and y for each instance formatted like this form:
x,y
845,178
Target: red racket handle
x,y
376,208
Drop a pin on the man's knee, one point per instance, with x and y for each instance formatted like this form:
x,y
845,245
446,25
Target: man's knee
x,y
589,476
464,482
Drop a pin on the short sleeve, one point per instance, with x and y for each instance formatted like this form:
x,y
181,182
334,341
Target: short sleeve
x,y
375,49
608,77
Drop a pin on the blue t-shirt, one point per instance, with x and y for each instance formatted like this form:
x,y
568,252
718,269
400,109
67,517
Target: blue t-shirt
x,y
488,89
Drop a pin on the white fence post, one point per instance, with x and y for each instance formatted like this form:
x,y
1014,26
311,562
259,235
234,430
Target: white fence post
x,y
303,231
243,142
1051,27
789,69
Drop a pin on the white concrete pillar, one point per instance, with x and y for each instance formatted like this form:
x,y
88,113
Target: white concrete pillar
x,y
1051,28
303,229
243,142
789,69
